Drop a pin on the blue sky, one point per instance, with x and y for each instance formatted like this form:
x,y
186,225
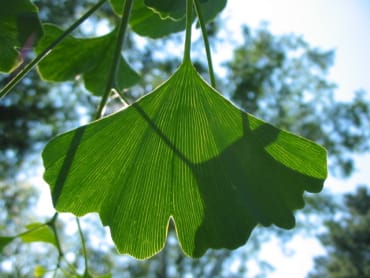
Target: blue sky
x,y
342,25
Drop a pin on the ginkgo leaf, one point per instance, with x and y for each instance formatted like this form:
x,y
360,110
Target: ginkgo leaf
x,y
182,152
151,22
176,9
20,28
91,58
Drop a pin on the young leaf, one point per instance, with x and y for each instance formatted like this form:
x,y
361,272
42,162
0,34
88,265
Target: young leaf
x,y
91,58
183,152
20,28
38,232
39,271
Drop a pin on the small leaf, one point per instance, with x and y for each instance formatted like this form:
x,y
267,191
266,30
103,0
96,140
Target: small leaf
x,y
38,232
39,271
20,28
183,152
91,58
5,240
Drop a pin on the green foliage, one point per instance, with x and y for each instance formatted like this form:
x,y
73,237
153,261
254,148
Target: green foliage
x,y
20,28
38,232
204,160
347,240
148,22
182,152
91,58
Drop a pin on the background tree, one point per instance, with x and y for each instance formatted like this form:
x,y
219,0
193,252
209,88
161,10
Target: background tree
x,y
347,240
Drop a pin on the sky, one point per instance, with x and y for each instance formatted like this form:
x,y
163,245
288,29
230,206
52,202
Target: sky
x,y
342,25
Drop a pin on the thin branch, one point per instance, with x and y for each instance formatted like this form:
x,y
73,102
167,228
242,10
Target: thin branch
x,y
83,243
189,22
206,42
116,56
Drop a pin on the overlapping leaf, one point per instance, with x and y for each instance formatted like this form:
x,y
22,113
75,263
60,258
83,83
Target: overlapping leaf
x,y
20,28
175,9
185,153
157,19
91,58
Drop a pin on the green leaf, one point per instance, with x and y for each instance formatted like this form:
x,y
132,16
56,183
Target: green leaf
x,y
176,9
38,232
91,58
183,152
154,19
145,22
39,271
20,28
5,240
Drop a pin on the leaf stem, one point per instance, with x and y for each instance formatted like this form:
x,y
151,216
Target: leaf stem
x,y
83,243
116,56
21,74
189,21
206,42
52,225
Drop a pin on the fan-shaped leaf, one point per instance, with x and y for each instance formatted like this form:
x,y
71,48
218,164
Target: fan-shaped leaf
x,y
185,153
91,58
20,28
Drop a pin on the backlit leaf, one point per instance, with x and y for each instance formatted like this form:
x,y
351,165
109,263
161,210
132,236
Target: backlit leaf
x,y
20,28
91,58
183,153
